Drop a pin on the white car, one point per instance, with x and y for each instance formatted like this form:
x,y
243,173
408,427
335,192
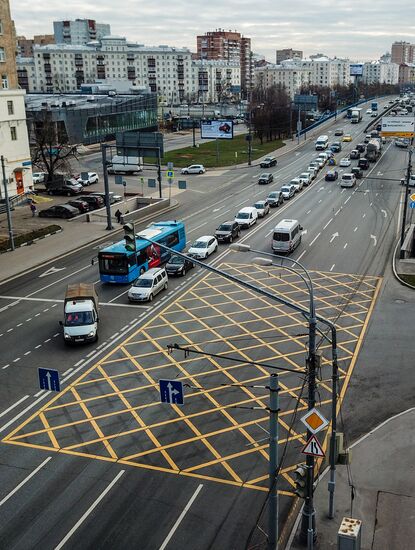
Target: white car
x,y
194,169
348,180
320,161
369,111
306,178
262,208
312,170
148,285
345,162
203,247
91,178
288,191
298,184
38,177
314,164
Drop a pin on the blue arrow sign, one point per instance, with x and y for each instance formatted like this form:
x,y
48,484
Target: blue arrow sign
x,y
412,205
49,380
171,391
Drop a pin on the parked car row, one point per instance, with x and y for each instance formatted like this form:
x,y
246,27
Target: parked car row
x,y
78,205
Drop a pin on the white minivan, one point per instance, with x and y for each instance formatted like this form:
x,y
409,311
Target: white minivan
x,y
148,285
286,236
322,143
246,217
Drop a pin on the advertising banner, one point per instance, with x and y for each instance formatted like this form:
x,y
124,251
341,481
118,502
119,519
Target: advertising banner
x,y
398,126
216,129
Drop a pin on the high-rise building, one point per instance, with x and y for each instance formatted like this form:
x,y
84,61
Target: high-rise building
x,y
25,45
288,53
8,73
14,142
79,31
228,46
403,52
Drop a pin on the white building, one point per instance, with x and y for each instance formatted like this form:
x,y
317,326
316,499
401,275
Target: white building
x,y
14,143
214,81
382,73
168,71
294,73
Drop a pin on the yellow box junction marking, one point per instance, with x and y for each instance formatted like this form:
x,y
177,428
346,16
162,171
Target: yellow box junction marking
x,y
112,412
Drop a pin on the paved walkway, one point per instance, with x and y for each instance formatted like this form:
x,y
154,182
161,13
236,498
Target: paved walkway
x,y
382,472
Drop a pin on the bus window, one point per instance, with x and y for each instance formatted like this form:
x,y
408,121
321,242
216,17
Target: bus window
x,y
113,263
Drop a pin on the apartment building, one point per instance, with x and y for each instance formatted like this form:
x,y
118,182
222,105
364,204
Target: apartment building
x,y
25,45
79,31
407,73
288,53
215,81
378,72
8,73
403,52
228,46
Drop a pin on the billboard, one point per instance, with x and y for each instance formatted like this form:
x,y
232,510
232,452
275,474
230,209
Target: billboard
x,y
306,101
356,69
216,129
397,126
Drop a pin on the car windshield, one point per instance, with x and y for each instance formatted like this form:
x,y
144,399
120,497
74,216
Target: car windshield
x,y
347,177
263,176
144,283
303,175
273,195
243,215
199,244
78,318
176,260
259,205
285,189
225,227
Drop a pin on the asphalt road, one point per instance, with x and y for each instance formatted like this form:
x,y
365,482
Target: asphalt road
x,y
88,497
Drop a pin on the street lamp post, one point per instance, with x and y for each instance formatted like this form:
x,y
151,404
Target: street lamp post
x,y
6,198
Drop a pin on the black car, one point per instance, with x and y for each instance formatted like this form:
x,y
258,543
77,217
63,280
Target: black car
x,y
275,198
268,162
228,231
331,175
113,197
336,147
80,205
265,178
363,164
361,147
177,265
354,154
358,172
59,211
94,201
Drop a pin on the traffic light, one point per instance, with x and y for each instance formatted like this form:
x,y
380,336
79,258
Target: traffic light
x,y
300,478
129,236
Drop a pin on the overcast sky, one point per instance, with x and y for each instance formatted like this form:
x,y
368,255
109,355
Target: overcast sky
x,y
358,29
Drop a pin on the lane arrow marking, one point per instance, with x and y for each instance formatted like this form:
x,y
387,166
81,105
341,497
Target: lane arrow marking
x,y
51,271
375,241
384,213
334,236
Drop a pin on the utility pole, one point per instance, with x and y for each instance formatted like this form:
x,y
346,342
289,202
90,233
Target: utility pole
x,y
405,204
106,186
273,463
6,197
299,124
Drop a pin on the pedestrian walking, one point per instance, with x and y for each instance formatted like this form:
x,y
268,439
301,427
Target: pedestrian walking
x,y
33,209
118,215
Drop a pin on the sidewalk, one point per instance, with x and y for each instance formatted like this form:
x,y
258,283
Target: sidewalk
x,y
382,472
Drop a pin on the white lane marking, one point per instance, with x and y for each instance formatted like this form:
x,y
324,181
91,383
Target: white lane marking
x,y
27,353
15,404
45,310
17,359
27,299
37,314
180,518
343,190
90,509
39,393
46,341
25,480
308,212
27,320
328,223
345,246
320,201
384,213
54,305
301,255
197,227
269,233
355,229
375,240
347,200
9,330
371,204
78,363
51,271
38,346
19,325
118,296
314,240
337,212
221,214
334,236
332,267
67,371
6,366
364,216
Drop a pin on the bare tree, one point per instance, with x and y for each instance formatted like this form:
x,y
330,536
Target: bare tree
x,y
270,112
50,149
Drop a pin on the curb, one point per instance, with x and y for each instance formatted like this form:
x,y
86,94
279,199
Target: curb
x,y
174,204
395,273
27,243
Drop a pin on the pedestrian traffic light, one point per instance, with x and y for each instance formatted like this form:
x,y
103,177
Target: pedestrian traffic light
x,y
129,236
300,478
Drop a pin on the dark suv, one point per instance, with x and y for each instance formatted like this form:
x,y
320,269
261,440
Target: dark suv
x,y
228,231
363,164
94,201
358,172
268,162
275,199
265,178
65,187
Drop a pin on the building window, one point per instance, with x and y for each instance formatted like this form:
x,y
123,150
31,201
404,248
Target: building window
x,y
10,107
1,26
2,55
4,81
13,133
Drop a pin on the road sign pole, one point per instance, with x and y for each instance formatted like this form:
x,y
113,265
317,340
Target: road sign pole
x,y
405,204
6,198
273,510
106,186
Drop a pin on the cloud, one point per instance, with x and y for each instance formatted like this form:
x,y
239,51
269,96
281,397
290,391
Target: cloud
x,y
346,28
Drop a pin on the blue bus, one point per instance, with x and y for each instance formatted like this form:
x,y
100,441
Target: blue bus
x,y
118,265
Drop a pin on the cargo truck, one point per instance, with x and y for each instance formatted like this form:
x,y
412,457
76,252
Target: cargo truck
x,y
373,150
80,309
356,116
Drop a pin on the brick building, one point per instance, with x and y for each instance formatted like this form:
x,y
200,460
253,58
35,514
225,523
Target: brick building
x,y
403,52
8,73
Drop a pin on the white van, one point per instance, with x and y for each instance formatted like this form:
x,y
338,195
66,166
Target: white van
x,y
121,164
286,236
322,143
246,217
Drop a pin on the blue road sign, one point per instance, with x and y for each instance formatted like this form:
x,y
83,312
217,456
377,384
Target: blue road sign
x,y
412,205
182,184
151,182
171,391
49,380
170,174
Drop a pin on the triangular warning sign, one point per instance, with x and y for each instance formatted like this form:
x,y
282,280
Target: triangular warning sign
x,y
313,447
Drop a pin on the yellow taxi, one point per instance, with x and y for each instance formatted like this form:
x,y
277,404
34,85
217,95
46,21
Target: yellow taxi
x,y
347,137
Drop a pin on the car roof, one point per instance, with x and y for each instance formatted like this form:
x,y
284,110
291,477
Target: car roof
x,y
204,238
265,174
150,273
285,224
261,202
228,222
246,209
